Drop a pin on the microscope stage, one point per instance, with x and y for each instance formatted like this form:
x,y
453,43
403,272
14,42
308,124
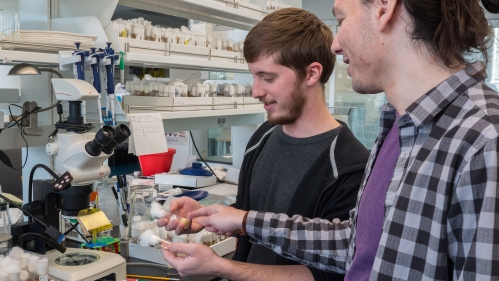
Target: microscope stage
x,y
84,264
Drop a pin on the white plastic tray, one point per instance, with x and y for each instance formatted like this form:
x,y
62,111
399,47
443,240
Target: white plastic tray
x,y
155,255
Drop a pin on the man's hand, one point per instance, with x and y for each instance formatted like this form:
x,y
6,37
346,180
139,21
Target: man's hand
x,y
219,219
199,259
181,207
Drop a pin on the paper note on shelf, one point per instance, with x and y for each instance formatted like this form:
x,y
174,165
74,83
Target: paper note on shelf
x,y
148,134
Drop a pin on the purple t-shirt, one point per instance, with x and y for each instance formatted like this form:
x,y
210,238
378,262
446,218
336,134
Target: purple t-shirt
x,y
371,210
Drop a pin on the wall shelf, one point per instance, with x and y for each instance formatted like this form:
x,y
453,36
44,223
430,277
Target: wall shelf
x,y
174,115
207,119
136,59
8,56
204,10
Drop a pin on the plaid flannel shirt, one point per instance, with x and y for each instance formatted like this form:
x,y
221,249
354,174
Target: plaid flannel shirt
x,y
441,207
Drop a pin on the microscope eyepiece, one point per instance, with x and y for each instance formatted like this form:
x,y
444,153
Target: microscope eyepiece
x,y
103,137
122,133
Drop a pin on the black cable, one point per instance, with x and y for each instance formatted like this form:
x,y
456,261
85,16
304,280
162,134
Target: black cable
x,y
201,157
31,174
76,229
16,121
51,241
12,116
27,150
73,226
40,222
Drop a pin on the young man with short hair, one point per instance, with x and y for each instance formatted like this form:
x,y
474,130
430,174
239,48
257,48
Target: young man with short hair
x,y
302,161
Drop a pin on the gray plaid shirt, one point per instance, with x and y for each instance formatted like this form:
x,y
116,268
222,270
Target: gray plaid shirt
x,y
442,205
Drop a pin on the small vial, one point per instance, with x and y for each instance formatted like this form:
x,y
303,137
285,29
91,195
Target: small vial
x,y
148,238
24,261
135,221
157,212
42,269
32,266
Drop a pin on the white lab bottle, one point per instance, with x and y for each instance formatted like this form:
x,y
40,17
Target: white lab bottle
x,y
32,266
135,221
42,269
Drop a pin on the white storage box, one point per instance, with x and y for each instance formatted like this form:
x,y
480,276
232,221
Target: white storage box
x,y
155,255
166,103
250,102
227,102
185,180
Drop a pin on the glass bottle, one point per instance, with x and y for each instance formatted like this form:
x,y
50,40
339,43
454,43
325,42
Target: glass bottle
x,y
5,219
5,236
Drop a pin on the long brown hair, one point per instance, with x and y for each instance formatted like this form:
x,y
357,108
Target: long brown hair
x,y
296,38
450,29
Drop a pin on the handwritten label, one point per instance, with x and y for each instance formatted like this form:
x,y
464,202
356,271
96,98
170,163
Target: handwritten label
x,y
148,135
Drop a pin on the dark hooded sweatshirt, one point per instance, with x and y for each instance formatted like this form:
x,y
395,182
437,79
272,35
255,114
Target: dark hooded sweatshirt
x,y
328,190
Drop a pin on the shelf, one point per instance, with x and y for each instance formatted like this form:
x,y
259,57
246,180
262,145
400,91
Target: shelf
x,y
183,63
198,113
203,10
31,57
205,119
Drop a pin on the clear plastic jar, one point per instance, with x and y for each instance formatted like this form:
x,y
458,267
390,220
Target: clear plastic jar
x,y
230,45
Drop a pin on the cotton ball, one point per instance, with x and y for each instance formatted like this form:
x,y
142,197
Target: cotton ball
x,y
13,268
145,239
24,275
16,253
5,261
157,210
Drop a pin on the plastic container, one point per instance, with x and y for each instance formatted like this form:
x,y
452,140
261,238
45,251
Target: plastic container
x,y
151,164
196,170
105,244
9,26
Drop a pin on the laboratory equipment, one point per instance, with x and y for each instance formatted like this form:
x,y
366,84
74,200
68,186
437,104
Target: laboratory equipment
x,y
95,78
79,68
191,177
82,264
109,61
76,152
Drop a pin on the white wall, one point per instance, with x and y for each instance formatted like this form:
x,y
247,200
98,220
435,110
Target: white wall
x,y
11,6
322,8
294,3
